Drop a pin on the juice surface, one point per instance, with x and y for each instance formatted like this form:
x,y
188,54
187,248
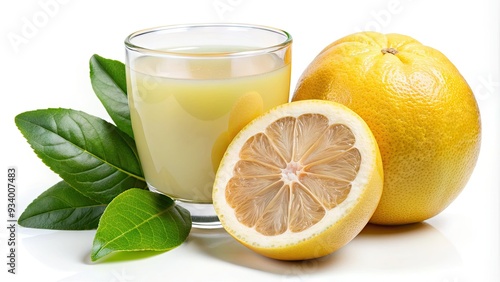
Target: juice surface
x,y
184,114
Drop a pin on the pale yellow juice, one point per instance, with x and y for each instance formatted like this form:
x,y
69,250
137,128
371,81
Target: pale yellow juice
x,y
185,113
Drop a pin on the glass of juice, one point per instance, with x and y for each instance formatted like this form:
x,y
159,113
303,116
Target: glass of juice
x,y
191,88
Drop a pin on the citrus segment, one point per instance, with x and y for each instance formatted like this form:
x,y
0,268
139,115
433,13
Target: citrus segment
x,y
297,176
245,109
219,148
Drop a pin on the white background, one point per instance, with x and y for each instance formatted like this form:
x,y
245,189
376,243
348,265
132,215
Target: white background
x,y
45,49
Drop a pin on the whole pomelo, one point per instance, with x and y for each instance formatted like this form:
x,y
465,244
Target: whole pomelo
x,y
421,110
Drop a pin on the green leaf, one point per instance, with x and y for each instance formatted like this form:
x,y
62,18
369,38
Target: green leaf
x,y
110,85
90,154
140,220
62,207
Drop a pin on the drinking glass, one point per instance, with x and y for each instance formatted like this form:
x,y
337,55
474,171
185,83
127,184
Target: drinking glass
x,y
191,88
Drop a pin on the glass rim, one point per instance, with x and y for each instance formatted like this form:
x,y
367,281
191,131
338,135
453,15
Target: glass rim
x,y
254,51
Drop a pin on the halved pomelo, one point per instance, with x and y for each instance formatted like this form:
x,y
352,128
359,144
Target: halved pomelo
x,y
300,181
